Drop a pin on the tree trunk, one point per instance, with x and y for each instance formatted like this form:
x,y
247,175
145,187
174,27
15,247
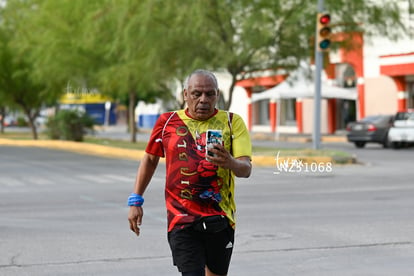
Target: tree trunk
x,y
231,89
2,115
182,103
33,127
132,123
31,115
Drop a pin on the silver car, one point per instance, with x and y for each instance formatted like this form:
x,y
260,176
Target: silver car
x,y
402,131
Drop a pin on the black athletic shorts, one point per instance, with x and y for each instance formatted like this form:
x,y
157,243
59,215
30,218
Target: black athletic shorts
x,y
193,249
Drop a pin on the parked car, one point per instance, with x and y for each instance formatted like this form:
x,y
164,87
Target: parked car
x,y
402,131
371,129
9,121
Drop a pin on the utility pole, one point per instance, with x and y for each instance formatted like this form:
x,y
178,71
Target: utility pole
x,y
316,136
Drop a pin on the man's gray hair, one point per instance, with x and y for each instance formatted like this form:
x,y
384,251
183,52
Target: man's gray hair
x,y
201,72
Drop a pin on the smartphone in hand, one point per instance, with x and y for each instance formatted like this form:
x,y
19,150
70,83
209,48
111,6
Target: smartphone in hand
x,y
213,137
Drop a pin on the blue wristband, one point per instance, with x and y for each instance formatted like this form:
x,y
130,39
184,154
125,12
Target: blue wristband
x,y
135,200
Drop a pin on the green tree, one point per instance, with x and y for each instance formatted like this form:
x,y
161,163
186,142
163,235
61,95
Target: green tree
x,y
139,48
128,40
243,36
20,86
4,76
18,89
109,45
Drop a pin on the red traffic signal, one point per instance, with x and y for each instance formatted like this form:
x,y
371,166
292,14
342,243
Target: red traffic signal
x,y
325,19
323,32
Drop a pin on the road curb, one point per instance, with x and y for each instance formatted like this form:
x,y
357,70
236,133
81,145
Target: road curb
x,y
298,138
79,147
131,154
292,160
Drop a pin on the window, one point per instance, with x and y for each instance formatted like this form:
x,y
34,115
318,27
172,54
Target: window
x,y
288,112
261,112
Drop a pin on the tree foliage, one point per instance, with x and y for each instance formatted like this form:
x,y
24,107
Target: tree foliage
x,y
138,49
18,88
243,37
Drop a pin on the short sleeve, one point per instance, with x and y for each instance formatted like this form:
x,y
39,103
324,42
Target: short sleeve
x,y
155,145
242,145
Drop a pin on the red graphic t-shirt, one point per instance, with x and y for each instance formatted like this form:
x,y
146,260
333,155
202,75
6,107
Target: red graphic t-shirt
x,y
195,187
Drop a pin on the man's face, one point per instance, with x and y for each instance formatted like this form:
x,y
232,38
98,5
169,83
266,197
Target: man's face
x,y
201,96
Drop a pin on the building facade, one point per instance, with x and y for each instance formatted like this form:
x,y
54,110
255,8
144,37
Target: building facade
x,y
379,71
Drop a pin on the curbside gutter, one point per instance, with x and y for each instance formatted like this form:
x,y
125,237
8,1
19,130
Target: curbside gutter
x,y
131,154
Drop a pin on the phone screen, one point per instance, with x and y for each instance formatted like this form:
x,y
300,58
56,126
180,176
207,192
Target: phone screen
x,y
213,137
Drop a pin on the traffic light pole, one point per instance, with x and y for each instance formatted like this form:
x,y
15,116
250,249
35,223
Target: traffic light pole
x,y
316,137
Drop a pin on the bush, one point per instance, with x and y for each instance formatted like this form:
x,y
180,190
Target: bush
x,y
21,121
69,125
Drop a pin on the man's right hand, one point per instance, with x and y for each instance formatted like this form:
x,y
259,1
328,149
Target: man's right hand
x,y
135,218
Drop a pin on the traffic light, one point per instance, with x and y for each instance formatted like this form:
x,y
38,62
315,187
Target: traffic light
x,y
323,32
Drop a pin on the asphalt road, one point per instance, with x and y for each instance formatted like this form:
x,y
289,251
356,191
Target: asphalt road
x,y
64,214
